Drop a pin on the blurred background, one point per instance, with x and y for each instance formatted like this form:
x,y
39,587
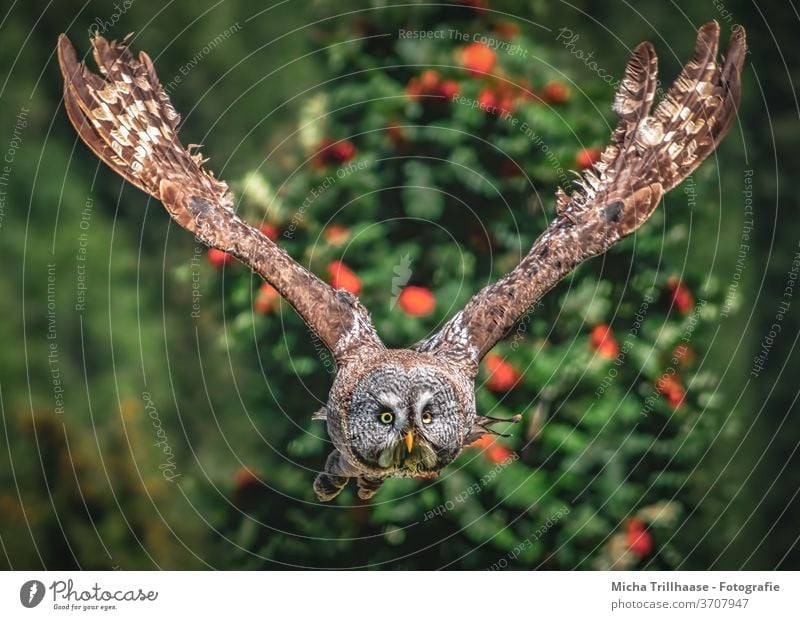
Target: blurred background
x,y
156,399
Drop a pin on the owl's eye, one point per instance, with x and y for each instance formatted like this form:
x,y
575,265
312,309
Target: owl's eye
x,y
427,417
386,417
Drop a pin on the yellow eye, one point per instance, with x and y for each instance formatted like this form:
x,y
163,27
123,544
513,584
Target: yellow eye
x,y
427,417
386,417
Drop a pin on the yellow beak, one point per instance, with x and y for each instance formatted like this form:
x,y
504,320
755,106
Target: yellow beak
x,y
409,441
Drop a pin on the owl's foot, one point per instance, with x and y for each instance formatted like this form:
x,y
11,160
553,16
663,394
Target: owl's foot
x,y
327,487
330,482
367,487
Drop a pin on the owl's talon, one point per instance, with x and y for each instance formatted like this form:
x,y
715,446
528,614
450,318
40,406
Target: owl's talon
x,y
327,487
365,494
330,482
367,487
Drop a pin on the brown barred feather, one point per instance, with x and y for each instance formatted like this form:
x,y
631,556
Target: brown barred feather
x,y
638,85
128,121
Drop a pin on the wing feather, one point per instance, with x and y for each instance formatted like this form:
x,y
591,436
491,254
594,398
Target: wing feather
x,y
128,121
647,155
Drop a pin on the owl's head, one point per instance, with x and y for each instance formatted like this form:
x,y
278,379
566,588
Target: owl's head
x,y
403,416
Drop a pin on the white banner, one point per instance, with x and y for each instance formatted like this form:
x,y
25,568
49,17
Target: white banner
x,y
389,595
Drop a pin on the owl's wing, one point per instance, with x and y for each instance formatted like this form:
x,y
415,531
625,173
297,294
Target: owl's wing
x,y
647,156
127,119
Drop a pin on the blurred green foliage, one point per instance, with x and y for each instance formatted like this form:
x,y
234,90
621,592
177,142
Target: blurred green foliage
x,y
456,193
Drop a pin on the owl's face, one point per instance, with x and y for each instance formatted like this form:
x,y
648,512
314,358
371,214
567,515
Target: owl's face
x,y
405,420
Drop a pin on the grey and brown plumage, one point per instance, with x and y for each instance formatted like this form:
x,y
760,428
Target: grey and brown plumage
x,y
409,412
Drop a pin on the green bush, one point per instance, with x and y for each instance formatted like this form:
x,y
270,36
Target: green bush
x,y
414,167
429,198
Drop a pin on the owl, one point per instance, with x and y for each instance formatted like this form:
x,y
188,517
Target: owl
x,y
409,412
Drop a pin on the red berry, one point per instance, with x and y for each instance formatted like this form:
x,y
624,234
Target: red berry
x,y
330,152
449,89
342,277
507,102
429,80
413,88
683,353
343,151
681,296
322,156
587,157
494,451
397,135
478,58
498,453
675,399
487,100
670,386
602,339
336,234
484,441
639,540
270,231
506,30
417,301
430,84
267,299
218,258
502,376
499,99
245,478
555,92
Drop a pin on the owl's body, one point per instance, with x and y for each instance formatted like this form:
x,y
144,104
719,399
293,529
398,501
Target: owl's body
x,y
428,397
409,412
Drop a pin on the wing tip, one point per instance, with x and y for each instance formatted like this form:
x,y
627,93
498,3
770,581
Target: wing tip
x,y
644,54
707,43
67,57
737,45
635,92
709,28
644,48
734,61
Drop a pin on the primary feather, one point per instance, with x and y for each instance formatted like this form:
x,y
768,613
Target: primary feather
x,y
127,119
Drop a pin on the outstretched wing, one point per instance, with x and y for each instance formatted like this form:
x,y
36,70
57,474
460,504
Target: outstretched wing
x,y
647,156
126,118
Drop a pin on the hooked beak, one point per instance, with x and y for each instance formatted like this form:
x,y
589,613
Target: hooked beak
x,y
409,441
